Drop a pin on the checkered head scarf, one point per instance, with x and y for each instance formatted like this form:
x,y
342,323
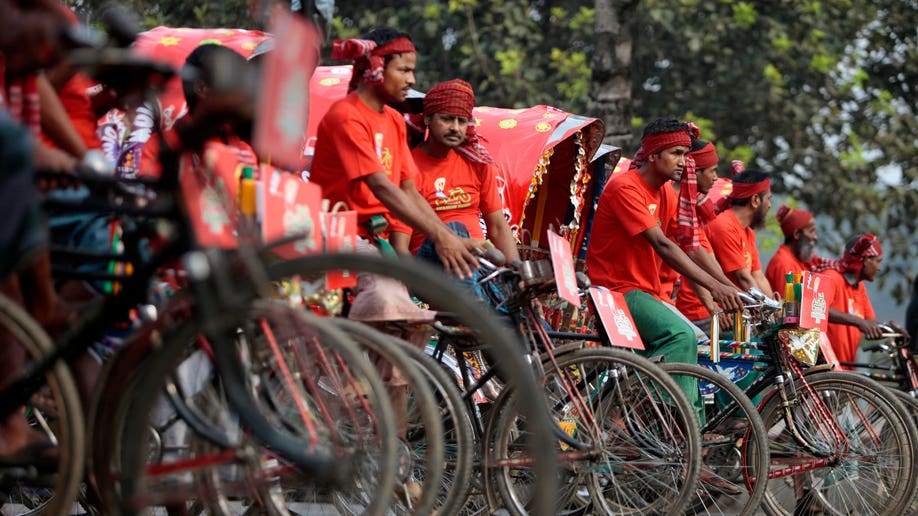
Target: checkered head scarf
x,y
456,98
866,246
369,59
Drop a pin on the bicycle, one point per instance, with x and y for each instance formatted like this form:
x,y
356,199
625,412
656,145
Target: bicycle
x,y
594,394
819,423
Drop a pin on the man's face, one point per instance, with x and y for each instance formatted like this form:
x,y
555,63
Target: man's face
x,y
447,130
872,265
670,163
706,178
806,241
761,212
398,77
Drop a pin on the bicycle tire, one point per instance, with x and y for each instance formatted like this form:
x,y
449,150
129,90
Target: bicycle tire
x,y
159,368
68,423
431,286
430,448
458,433
833,485
724,457
617,372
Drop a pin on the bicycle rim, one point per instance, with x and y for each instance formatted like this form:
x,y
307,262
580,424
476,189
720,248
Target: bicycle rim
x,y
875,476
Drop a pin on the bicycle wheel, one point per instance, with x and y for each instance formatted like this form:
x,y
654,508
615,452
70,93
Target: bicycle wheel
x,y
874,476
423,428
458,433
297,338
639,449
54,411
432,287
729,484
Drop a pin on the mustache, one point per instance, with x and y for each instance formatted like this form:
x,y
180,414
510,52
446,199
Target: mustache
x,y
452,133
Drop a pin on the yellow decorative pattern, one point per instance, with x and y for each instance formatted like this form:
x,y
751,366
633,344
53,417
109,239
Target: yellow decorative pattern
x,y
507,123
169,41
579,182
536,181
543,127
211,41
329,81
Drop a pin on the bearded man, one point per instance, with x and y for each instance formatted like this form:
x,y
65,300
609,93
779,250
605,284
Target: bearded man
x,y
732,233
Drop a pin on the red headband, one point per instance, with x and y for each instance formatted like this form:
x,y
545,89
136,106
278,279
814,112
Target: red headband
x,y
742,191
792,219
453,97
705,157
853,259
369,59
654,143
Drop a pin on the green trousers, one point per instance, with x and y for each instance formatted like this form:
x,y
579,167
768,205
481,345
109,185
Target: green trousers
x,y
665,334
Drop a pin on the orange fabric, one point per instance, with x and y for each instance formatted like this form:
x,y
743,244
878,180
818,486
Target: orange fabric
x,y
467,188
686,300
734,246
852,300
79,109
780,264
619,257
354,141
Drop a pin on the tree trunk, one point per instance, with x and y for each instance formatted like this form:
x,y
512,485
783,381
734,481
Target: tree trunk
x,y
611,77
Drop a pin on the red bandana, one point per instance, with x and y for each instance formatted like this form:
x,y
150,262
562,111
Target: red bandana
x,y
453,97
742,191
654,143
792,219
865,247
369,59
705,157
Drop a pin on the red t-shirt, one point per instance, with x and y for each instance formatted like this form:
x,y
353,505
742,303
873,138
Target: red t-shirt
x,y
686,300
354,141
75,99
734,246
780,264
850,300
457,189
619,257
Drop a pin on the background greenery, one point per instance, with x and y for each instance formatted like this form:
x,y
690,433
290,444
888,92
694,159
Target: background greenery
x,y
822,93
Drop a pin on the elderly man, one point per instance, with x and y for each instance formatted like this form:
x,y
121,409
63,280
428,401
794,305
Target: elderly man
x,y
457,176
731,232
798,252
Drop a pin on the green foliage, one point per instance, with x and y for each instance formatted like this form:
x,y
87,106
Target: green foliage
x,y
820,93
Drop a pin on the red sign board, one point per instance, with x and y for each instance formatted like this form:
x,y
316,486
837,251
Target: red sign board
x,y
283,102
616,318
340,236
814,307
290,207
562,261
210,187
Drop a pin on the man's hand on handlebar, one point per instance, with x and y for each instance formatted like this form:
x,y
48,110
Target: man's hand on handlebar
x,y
871,329
728,297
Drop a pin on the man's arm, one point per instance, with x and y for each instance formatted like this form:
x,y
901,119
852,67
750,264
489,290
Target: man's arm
x,y
744,278
708,263
723,293
451,249
55,122
870,328
763,283
501,236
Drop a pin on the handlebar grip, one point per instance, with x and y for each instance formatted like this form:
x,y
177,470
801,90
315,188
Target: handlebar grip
x,y
870,348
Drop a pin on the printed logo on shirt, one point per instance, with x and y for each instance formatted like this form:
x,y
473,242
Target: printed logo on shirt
x,y
378,137
440,185
455,199
652,208
386,161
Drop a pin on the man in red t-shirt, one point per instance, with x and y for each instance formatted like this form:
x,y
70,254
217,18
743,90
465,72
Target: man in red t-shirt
x,y
798,252
627,245
731,232
699,309
851,314
362,156
457,176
